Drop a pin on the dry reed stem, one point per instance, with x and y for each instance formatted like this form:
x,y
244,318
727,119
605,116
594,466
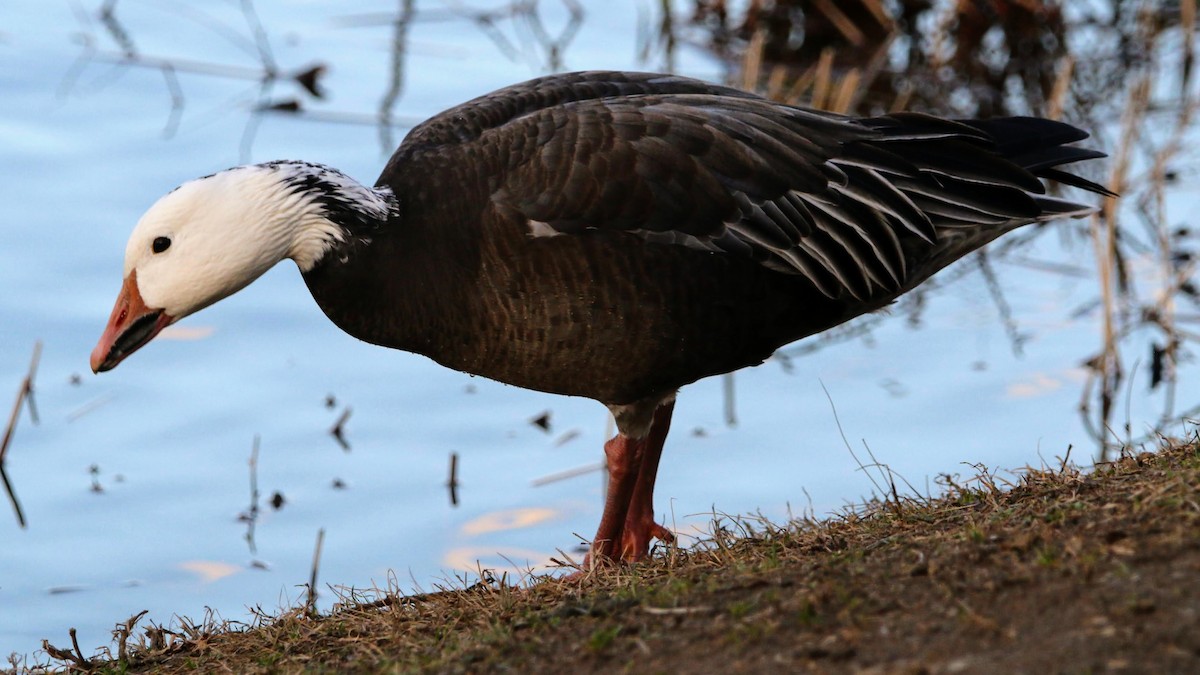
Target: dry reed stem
x,y
775,81
752,62
1062,85
875,66
846,92
1104,238
122,634
310,604
452,481
729,391
1174,275
90,406
802,83
24,394
72,656
822,78
252,512
12,498
901,101
842,22
1187,26
567,473
875,7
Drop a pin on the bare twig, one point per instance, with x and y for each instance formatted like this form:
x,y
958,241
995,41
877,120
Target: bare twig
x,y
179,65
844,24
89,406
339,428
116,30
1062,84
76,657
569,473
395,74
824,76
24,394
838,422
452,482
252,513
1104,237
122,633
311,604
175,91
261,42
12,497
992,282
752,62
727,388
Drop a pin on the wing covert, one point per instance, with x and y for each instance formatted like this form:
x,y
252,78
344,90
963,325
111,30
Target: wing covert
x,y
844,202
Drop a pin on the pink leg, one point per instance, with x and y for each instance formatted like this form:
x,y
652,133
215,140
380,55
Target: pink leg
x,y
624,456
640,526
627,524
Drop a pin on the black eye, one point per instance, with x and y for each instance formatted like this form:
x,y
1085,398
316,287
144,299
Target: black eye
x,y
160,244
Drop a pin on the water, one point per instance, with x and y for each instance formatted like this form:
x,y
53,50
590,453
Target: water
x,y
88,145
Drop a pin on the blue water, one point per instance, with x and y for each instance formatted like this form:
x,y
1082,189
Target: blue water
x,y
86,146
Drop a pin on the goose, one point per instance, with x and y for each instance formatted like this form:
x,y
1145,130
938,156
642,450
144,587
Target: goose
x,y
611,235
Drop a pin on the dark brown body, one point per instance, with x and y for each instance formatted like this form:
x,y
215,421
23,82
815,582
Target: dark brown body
x,y
602,315
636,175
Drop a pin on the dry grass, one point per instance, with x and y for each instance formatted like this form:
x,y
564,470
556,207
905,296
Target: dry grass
x,y
1055,569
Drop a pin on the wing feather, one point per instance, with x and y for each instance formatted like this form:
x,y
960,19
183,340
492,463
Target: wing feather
x,y
856,206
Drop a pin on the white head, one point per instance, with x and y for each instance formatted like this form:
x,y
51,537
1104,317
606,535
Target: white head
x,y
214,235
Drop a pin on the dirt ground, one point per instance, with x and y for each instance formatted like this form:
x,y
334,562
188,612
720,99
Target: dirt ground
x,y
1067,571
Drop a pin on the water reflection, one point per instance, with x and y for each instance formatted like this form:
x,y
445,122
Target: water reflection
x,y
508,520
1040,384
501,558
209,571
498,559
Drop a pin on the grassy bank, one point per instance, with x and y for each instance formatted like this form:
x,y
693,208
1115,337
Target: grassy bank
x,y
1062,570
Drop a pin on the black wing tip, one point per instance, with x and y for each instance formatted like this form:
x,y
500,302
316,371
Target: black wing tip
x,y
1067,178
1026,131
1040,146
